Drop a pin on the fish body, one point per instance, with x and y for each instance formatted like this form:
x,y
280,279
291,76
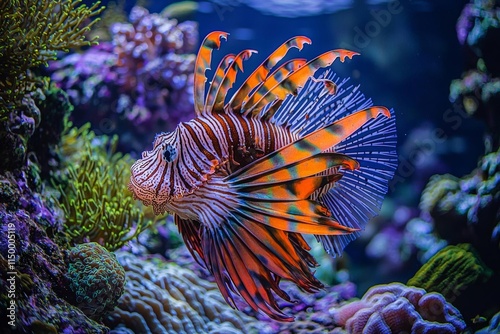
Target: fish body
x,y
288,154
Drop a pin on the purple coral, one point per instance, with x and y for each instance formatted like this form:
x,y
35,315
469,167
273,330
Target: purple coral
x,y
41,289
398,308
140,82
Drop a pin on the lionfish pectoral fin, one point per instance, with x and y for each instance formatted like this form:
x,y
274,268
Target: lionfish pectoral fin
x,y
248,259
190,232
309,147
202,63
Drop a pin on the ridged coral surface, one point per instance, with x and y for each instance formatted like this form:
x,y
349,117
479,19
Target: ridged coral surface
x,y
398,308
451,271
165,298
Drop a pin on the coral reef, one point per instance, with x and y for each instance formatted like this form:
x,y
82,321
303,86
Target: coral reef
x,y
94,196
396,308
31,33
494,326
165,298
97,279
54,108
466,210
478,91
41,288
15,133
140,82
311,311
451,271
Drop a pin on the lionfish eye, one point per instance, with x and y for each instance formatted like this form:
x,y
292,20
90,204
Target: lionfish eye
x,y
169,153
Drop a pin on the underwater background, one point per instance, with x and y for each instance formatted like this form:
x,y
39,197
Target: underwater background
x,y
80,255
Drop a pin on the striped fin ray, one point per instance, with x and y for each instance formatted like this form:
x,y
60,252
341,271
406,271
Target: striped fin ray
x,y
297,189
304,216
295,80
228,80
274,79
249,259
310,145
190,232
261,72
295,170
217,79
202,63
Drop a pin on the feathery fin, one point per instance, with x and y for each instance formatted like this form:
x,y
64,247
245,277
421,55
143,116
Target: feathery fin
x,y
310,145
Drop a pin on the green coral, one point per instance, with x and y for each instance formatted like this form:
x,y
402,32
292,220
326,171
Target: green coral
x,y
31,33
55,109
97,279
451,271
94,197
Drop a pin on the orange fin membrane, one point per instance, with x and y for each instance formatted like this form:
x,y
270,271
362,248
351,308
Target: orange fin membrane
x,y
358,195
294,81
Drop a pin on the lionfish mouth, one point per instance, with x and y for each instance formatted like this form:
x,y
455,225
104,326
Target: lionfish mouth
x,y
140,193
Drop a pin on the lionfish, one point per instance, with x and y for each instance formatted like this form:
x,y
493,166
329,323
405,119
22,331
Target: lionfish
x,y
288,154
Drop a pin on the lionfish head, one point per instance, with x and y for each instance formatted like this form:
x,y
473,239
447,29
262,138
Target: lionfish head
x,y
153,178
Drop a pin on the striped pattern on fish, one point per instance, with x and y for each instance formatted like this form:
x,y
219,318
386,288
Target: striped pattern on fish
x,y
287,154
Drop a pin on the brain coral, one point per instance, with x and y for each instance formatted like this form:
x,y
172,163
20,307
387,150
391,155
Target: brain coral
x,y
398,308
164,298
97,279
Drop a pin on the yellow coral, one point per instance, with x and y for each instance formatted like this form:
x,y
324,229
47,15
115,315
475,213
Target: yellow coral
x,y
94,197
31,33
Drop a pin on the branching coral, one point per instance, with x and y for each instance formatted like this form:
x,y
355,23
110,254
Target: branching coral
x,y
97,279
140,82
396,308
164,298
96,203
31,33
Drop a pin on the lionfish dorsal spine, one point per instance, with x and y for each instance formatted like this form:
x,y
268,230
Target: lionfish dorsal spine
x,y
227,81
202,63
261,72
217,79
295,80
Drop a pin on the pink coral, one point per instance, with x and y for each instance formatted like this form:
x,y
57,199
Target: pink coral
x,y
398,308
